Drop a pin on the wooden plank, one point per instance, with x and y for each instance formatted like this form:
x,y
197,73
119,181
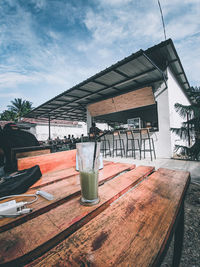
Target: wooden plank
x,y
39,234
134,99
131,232
49,162
62,190
106,106
52,177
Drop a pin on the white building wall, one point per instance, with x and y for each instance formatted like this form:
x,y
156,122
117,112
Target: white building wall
x,y
42,131
162,138
32,130
175,95
168,118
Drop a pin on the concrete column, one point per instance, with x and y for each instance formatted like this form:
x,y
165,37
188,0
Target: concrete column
x,y
163,142
89,121
49,127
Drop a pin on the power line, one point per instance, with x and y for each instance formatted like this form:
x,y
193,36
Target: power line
x,y
162,19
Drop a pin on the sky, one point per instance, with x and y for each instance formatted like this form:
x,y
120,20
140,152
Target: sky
x,y
48,46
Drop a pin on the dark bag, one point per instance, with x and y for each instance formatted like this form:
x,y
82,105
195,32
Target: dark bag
x,y
19,182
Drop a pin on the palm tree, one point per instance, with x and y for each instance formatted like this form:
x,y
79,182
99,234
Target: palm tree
x,y
20,107
191,127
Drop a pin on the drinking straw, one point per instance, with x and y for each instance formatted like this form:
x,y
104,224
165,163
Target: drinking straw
x,y
95,151
95,147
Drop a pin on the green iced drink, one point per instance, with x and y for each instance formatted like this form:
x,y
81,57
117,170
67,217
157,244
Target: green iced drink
x,y
89,185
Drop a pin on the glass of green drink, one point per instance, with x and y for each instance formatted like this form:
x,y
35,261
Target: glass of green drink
x,y
88,161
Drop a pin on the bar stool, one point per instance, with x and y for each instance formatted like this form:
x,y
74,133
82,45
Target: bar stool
x,y
118,144
145,139
132,144
105,146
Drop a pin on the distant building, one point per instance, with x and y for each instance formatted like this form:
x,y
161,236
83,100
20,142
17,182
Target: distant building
x,y
59,128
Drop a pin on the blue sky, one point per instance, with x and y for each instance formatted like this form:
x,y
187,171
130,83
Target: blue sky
x,y
48,46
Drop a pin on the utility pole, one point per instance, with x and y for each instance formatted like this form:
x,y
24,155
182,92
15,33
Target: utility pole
x,y
163,23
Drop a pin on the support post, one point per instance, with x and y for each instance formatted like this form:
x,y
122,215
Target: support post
x,y
89,121
188,130
49,128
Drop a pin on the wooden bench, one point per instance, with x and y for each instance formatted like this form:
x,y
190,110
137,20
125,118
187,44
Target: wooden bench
x,y
138,212
49,162
23,152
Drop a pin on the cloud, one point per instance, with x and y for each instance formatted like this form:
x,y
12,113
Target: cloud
x,y
38,4
12,95
185,23
47,47
104,30
138,25
11,79
111,31
115,2
189,52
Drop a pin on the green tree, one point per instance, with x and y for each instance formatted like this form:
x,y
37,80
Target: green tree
x,y
20,107
8,115
191,127
17,110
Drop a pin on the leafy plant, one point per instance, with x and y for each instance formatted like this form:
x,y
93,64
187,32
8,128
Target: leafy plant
x,y
191,127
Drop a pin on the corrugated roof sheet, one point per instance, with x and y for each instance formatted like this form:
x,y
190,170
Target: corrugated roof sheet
x,y
143,68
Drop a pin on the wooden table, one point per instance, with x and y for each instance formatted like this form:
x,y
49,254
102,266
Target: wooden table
x,y
131,226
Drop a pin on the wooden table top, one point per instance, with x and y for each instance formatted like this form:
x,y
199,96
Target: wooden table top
x,y
130,226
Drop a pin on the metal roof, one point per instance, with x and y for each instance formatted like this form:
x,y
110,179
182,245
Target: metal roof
x,y
143,68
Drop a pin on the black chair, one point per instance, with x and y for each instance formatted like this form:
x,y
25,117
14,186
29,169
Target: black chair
x,y
118,144
105,146
132,144
146,143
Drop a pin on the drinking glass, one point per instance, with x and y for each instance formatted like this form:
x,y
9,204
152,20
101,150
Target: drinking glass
x,y
88,161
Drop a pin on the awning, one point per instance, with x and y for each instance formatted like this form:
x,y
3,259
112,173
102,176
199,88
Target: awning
x,y
139,70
